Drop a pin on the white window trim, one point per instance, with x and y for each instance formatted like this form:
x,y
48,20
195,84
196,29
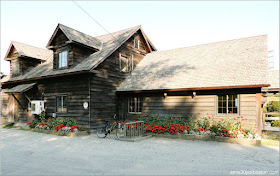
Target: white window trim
x,y
138,99
226,114
59,60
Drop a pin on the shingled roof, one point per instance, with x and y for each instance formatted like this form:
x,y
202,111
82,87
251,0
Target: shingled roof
x,y
273,79
30,51
240,62
111,42
77,36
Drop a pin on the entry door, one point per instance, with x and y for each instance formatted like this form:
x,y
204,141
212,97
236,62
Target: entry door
x,y
12,109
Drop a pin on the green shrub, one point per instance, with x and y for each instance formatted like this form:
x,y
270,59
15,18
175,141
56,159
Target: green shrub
x,y
54,122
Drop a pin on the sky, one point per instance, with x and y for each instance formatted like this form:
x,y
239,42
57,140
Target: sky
x,y
167,24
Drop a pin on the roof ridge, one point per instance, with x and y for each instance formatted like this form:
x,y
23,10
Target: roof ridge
x,y
210,43
119,31
30,45
59,24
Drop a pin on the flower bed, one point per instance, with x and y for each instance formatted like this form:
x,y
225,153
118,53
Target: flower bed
x,y
236,127
56,125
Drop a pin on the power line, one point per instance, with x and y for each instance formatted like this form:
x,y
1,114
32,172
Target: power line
x,y
94,20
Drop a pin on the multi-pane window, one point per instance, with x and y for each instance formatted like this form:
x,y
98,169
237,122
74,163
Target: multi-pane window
x,y
227,104
136,43
62,59
126,63
135,104
61,103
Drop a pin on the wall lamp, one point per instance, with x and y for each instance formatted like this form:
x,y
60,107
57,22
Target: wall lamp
x,y
165,95
193,94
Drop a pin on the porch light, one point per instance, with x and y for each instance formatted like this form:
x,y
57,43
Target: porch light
x,y
193,94
165,95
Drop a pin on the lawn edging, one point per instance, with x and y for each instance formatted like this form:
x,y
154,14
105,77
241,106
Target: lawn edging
x,y
252,142
58,133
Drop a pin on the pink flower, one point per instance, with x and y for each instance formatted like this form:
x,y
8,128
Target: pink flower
x,y
239,122
238,117
207,113
241,116
234,119
230,112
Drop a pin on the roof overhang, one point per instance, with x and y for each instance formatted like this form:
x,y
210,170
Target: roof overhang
x,y
195,89
20,88
43,77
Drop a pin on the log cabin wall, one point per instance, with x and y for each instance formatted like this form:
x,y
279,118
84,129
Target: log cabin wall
x,y
75,87
4,106
107,78
26,64
181,104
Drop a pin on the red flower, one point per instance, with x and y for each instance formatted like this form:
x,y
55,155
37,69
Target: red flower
x,y
230,112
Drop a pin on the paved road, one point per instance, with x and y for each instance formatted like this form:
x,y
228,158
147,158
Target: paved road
x,y
30,153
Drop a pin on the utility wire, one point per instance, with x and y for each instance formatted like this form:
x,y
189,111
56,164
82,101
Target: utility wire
x,y
94,20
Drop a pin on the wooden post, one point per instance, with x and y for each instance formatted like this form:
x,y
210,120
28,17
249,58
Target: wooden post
x,y
263,120
258,111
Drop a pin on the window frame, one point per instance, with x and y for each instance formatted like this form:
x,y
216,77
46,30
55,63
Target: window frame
x,y
129,67
136,43
58,59
138,100
226,114
56,106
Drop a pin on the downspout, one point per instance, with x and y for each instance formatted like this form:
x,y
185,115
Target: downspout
x,y
89,100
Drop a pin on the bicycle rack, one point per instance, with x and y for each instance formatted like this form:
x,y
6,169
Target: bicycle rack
x,y
134,129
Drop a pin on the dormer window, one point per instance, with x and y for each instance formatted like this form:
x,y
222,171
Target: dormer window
x,y
136,43
62,59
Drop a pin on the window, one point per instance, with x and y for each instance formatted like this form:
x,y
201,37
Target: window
x,y
227,104
135,104
136,43
62,59
61,103
15,68
126,63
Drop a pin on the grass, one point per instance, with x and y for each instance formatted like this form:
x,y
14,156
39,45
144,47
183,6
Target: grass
x,y
8,126
269,142
270,139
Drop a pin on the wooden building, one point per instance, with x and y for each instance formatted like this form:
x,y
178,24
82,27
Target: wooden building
x,y
75,69
123,73
222,79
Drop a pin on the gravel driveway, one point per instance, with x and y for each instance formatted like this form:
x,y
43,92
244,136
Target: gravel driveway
x,y
31,153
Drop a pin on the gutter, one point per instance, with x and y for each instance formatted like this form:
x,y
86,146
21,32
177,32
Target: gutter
x,y
193,89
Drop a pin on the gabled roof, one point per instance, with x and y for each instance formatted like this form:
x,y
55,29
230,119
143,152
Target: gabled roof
x,y
111,42
29,51
240,62
77,36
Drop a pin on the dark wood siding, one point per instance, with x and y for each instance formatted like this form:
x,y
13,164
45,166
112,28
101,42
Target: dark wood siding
x,y
4,106
105,80
77,91
181,104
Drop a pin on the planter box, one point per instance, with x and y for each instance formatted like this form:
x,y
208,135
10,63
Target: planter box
x,y
253,142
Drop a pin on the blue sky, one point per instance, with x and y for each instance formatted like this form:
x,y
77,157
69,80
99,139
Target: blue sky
x,y
167,24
